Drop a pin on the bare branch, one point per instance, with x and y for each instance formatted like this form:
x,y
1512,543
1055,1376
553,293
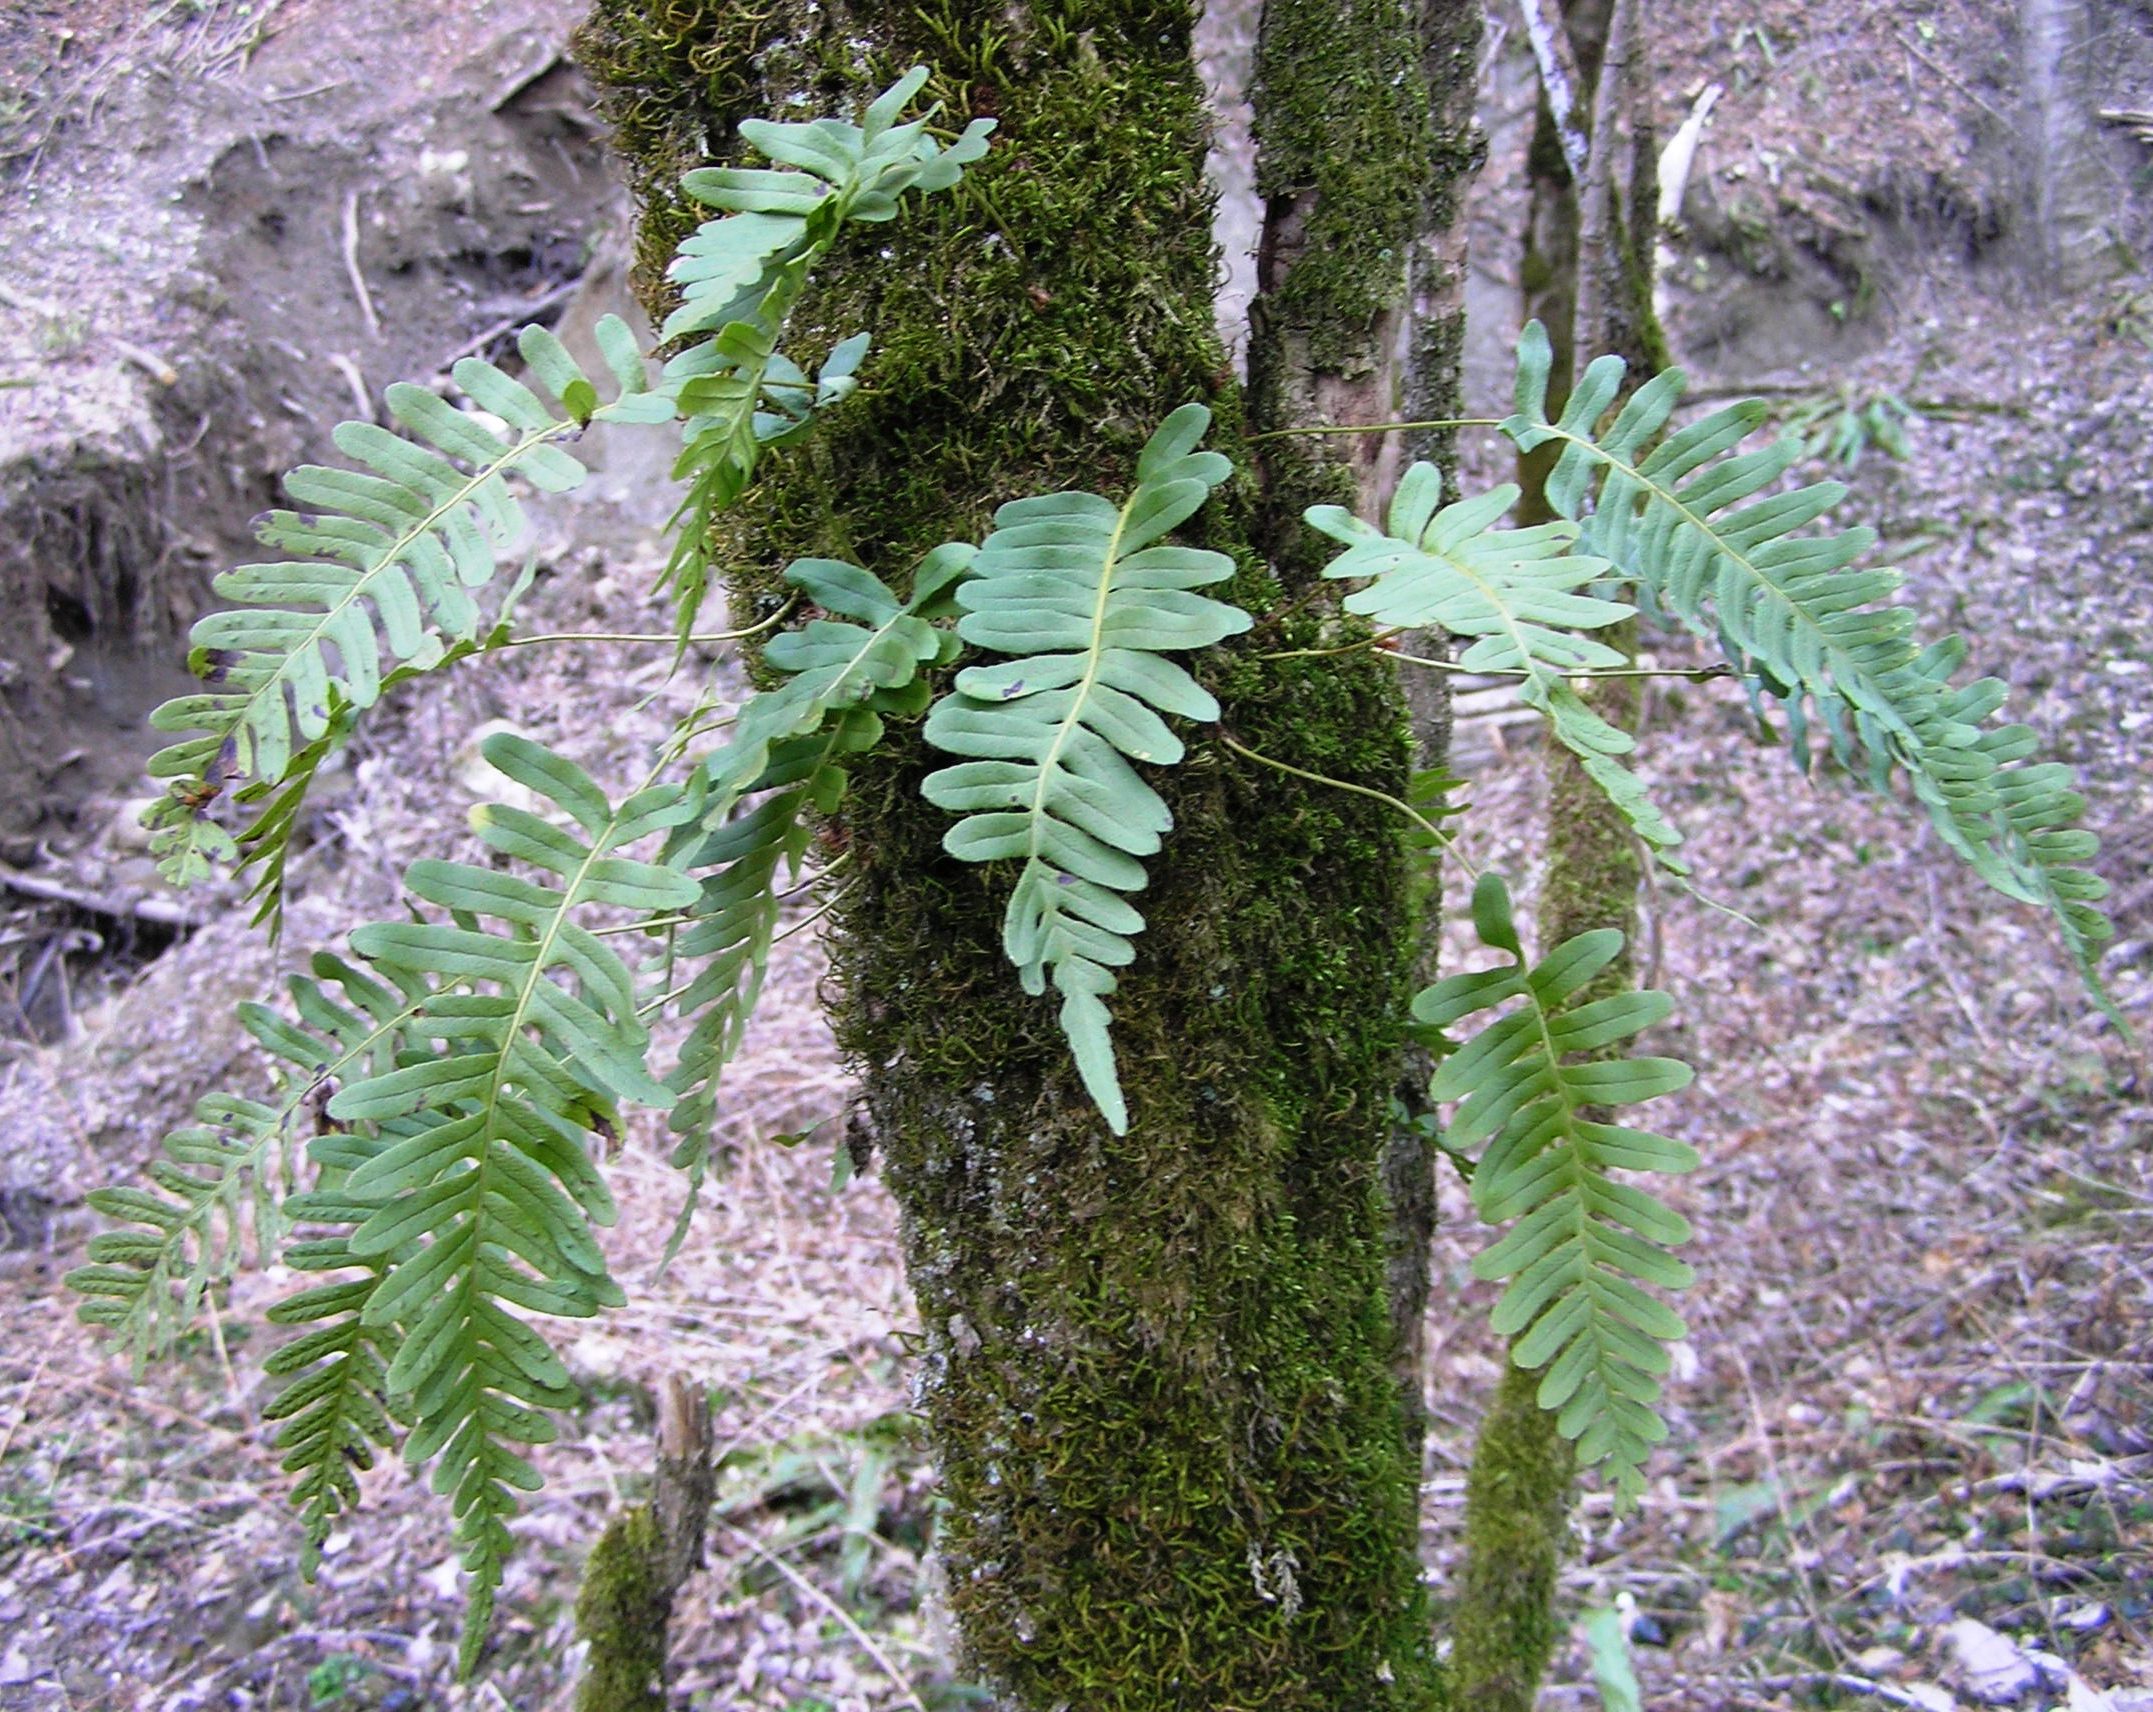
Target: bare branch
x,y
1559,79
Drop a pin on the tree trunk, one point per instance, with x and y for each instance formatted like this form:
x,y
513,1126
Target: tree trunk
x,y
1588,277
1157,1367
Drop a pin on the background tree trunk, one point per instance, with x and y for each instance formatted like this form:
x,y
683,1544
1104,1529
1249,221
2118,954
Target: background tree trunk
x,y
1158,1367
1587,275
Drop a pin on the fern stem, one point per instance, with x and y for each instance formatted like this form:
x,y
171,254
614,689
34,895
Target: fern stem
x,y
1693,674
1377,427
809,921
1443,840
639,636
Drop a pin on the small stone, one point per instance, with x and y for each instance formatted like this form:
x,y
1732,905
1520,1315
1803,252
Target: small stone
x,y
1994,1670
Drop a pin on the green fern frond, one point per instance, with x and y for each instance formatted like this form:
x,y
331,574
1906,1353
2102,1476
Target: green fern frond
x,y
1088,597
1697,521
391,552
740,276
146,1283
484,1199
1520,594
789,747
1583,1243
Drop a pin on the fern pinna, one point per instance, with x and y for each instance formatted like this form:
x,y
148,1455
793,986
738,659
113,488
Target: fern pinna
x,y
1087,595
789,750
395,550
1521,595
741,276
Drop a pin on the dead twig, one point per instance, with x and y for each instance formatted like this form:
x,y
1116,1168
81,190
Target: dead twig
x,y
161,912
351,264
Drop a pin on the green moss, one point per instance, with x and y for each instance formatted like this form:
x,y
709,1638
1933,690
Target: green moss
x,y
1517,1504
622,1612
1344,122
1156,1368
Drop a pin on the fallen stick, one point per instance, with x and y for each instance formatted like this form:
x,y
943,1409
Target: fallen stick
x,y
161,912
351,264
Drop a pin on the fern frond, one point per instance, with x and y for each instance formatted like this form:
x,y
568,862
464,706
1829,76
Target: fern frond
x,y
790,746
484,1198
1696,519
1087,597
740,276
146,1283
1522,595
1583,1243
391,552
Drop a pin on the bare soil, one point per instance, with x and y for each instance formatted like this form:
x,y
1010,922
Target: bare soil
x,y
1920,1372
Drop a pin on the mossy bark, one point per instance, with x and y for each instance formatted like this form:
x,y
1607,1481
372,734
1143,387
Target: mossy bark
x,y
622,1614
1364,141
1157,1366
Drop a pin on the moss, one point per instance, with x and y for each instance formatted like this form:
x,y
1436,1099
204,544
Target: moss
x,y
1344,122
1156,1366
622,1612
1591,874
1517,1502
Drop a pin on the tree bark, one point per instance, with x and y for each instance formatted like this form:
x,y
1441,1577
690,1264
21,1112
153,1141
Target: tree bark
x,y
1157,1367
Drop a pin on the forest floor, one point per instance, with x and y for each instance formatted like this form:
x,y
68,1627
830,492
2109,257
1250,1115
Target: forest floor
x,y
1911,1460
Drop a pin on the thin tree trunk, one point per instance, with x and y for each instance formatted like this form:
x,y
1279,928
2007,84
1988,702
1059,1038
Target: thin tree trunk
x,y
1588,275
1158,1367
1359,318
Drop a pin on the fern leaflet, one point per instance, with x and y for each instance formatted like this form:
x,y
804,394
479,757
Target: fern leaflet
x,y
1581,1238
1694,519
790,746
146,1284
1087,596
334,1404
393,552
485,1196
1507,589
740,277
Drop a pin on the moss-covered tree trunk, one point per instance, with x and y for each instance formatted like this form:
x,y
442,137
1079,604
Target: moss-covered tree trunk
x,y
1158,1367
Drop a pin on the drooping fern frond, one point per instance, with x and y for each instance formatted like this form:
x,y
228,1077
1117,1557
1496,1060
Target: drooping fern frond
x,y
740,276
484,1198
1522,595
790,746
145,1284
1583,1243
1705,526
391,553
1087,597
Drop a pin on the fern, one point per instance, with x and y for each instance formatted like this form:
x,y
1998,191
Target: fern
x,y
1087,598
484,1198
790,746
1582,1242
393,552
334,1404
1697,522
740,276
1507,589
146,1284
